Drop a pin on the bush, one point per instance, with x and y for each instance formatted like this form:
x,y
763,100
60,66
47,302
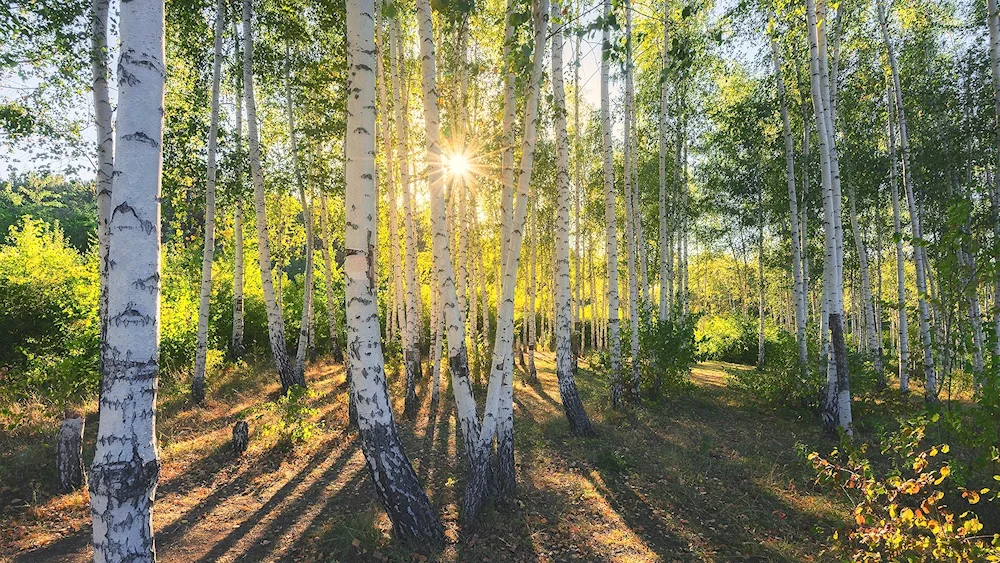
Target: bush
x,y
48,315
907,504
780,383
668,351
727,338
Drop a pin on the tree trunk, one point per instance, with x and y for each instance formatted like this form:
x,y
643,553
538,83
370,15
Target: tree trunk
x,y
69,454
411,350
579,423
201,351
126,463
409,510
993,22
275,322
611,252
498,413
105,150
458,364
631,234
904,337
331,308
238,263
299,371
799,282
532,317
919,250
867,306
760,276
837,407
664,245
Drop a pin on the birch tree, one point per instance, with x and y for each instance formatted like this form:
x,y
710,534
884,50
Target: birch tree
x,y
126,463
458,364
611,239
396,484
275,322
579,423
201,351
105,148
238,261
919,251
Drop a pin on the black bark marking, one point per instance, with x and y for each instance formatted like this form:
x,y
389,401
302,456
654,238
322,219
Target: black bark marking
x,y
150,284
131,316
125,209
141,137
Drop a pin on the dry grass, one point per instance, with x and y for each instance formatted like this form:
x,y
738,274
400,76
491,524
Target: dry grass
x,y
698,477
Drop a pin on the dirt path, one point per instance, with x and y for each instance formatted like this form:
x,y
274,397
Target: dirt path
x,y
699,477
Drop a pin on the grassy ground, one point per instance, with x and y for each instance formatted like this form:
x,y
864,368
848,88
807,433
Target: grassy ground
x,y
698,477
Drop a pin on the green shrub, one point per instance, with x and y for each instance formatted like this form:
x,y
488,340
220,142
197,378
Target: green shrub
x,y
48,315
668,351
727,338
780,383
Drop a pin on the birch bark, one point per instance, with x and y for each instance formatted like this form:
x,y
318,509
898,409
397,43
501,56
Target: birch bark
x,y
126,464
579,423
201,350
611,241
275,322
396,484
238,264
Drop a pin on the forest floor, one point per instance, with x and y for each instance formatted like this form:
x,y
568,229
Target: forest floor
x,y
703,476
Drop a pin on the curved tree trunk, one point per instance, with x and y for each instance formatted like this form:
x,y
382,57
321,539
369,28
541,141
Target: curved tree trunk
x,y
579,423
403,497
498,413
201,351
458,363
275,322
126,464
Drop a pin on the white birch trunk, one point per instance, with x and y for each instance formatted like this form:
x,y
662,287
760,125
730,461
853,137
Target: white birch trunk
x,y
611,248
903,330
331,302
532,296
238,262
631,234
872,339
993,22
498,413
411,351
579,423
919,250
458,364
275,322
411,514
664,244
105,148
126,464
299,372
799,288
201,351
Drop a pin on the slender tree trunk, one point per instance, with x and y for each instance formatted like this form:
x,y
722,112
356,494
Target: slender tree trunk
x,y
631,234
201,351
837,408
105,150
919,249
458,364
403,497
799,283
275,322
498,413
238,263
331,308
867,306
126,464
532,317
614,330
411,350
579,423
993,22
299,370
760,276
904,337
664,244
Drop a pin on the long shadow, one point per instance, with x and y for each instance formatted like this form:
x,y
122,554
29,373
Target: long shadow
x,y
291,513
308,497
539,389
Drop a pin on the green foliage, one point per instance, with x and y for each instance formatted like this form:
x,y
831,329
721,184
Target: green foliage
x,y
728,338
295,424
908,506
780,383
51,199
667,351
48,315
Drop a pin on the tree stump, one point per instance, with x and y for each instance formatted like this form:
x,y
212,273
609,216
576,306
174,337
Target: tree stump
x,y
69,453
241,437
